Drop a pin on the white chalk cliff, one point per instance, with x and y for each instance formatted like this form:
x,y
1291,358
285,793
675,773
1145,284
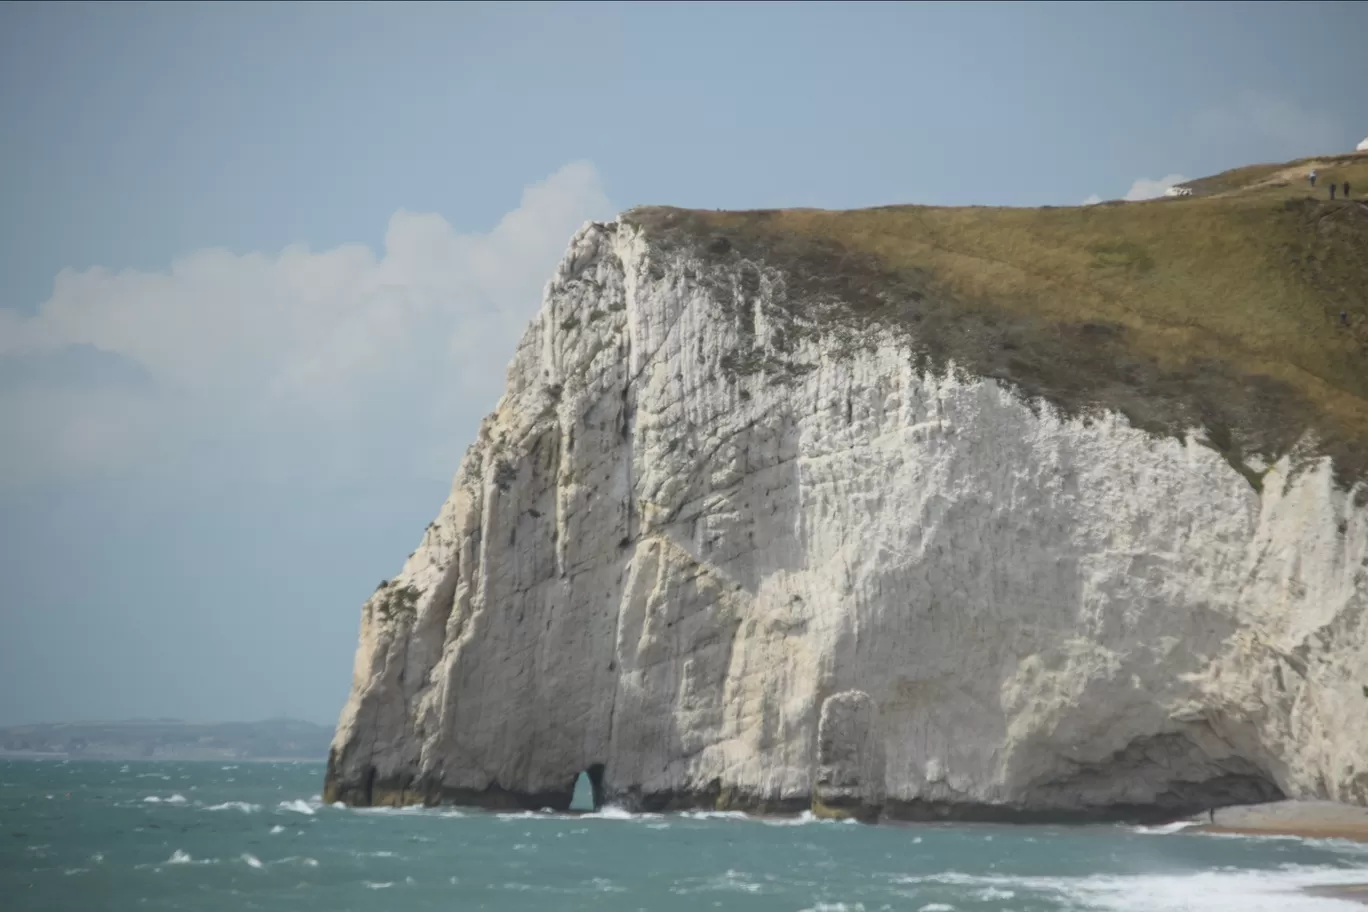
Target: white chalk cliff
x,y
720,554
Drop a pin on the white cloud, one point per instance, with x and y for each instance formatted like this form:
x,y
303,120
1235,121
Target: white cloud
x,y
1144,188
333,362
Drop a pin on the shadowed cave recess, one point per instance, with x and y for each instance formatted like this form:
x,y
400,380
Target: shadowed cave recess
x,y
840,792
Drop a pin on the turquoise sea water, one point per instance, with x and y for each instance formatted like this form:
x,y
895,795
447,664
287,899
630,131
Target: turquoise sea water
x,y
209,836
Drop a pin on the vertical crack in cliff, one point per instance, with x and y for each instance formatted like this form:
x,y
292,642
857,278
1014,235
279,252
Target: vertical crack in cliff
x,y
628,540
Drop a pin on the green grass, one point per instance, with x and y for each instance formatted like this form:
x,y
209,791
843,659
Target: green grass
x,y
1219,310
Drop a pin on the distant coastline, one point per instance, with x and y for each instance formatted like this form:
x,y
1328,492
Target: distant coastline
x,y
270,740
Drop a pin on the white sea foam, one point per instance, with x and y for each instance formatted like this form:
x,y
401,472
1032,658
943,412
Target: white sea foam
x,y
604,885
174,799
613,812
277,829
252,860
518,815
296,859
372,885
1176,827
409,810
243,806
803,819
988,894
182,857
731,882
1207,891
714,815
297,806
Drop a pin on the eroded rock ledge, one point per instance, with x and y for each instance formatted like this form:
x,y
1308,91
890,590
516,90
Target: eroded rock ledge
x,y
723,554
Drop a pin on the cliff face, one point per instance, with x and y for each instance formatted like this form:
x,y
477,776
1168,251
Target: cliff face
x,y
719,549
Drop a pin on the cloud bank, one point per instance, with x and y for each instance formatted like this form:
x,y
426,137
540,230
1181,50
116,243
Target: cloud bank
x,y
328,364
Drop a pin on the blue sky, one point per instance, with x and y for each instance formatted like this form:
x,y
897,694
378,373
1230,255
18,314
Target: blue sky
x,y
261,266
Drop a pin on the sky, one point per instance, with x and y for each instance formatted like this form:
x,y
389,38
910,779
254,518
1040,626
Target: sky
x,y
262,267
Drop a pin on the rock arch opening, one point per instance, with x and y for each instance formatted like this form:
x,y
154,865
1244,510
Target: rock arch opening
x,y
588,789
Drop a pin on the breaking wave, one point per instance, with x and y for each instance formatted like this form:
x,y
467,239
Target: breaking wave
x,y
1209,891
297,806
243,806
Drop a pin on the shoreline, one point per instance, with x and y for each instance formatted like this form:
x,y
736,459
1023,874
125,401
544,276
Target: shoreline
x,y
1350,833
1303,819
1347,892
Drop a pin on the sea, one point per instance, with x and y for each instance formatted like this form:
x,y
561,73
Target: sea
x,y
208,836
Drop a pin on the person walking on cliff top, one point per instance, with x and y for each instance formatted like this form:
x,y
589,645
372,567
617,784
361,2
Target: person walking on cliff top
x,y
1346,189
1312,178
1333,188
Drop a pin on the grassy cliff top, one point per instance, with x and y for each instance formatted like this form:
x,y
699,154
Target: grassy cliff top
x,y
1218,310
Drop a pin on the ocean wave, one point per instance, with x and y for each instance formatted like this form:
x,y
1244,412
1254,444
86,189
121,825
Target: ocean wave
x,y
715,815
374,885
408,810
182,857
243,806
807,817
1164,829
988,894
1340,846
1239,890
251,860
277,829
613,812
174,799
297,806
730,881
